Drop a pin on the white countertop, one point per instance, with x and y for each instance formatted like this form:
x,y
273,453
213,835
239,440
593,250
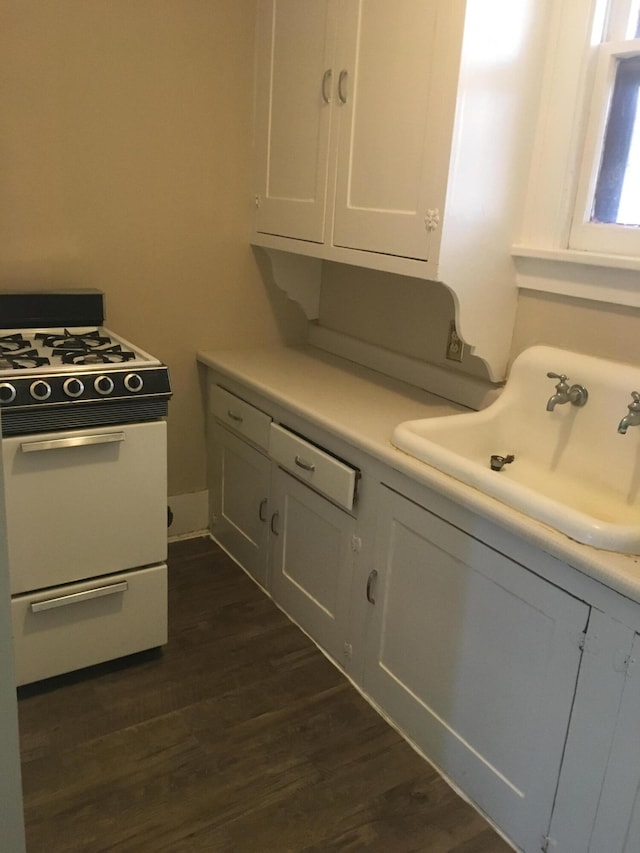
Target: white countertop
x,y
362,407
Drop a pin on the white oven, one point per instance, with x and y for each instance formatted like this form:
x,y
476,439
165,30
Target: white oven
x,y
84,503
84,450
86,506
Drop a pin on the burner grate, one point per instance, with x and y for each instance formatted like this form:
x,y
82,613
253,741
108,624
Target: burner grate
x,y
21,360
110,355
78,341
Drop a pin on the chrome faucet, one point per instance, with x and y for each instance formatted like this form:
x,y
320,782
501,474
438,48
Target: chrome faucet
x,y
577,395
633,418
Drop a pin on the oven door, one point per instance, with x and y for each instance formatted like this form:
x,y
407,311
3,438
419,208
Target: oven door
x,y
83,503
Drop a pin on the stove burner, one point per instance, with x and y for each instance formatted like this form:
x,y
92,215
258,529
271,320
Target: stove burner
x,y
13,343
22,360
103,355
82,342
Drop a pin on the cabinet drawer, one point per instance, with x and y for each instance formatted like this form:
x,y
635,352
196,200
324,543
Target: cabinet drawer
x,y
240,416
76,625
324,472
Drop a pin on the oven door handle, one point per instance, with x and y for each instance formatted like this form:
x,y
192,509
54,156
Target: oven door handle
x,y
76,597
74,441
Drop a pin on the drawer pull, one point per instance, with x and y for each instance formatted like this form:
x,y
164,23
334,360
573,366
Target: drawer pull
x,y
77,597
306,466
234,416
342,88
372,576
262,507
75,441
326,80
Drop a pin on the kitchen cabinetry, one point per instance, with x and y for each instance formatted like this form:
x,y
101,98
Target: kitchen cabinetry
x,y
477,660
354,88
396,136
516,672
294,534
617,823
313,560
239,480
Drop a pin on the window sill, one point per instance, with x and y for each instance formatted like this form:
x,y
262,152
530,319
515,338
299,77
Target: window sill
x,y
582,275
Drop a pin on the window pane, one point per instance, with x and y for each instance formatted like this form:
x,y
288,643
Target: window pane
x,y
617,196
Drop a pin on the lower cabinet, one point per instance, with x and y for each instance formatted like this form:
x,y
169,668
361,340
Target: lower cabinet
x,y
239,486
617,822
522,694
476,659
312,561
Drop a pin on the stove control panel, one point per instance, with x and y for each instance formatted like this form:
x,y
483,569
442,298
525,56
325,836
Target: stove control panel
x,y
87,387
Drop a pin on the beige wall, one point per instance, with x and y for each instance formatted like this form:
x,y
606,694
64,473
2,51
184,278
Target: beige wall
x,y
406,315
593,328
125,145
412,317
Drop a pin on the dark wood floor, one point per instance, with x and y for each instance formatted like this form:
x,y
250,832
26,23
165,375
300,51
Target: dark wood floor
x,y
238,736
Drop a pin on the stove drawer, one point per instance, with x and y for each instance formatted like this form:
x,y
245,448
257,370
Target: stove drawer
x,y
84,503
77,625
240,416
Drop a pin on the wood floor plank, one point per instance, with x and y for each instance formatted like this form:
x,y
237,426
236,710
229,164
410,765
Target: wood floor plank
x,y
239,736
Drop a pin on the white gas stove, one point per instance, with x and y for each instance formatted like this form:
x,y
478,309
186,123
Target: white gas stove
x,y
84,453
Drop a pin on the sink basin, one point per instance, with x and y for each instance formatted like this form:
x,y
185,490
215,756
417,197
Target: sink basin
x,y
571,470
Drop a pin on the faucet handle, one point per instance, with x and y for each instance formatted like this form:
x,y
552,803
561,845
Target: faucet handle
x,y
561,376
634,405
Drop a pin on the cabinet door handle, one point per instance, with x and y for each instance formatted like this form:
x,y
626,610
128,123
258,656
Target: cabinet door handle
x,y
326,86
262,507
234,417
370,580
342,87
306,466
274,518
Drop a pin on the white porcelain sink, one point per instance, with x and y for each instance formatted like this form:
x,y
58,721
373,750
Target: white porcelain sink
x,y
571,468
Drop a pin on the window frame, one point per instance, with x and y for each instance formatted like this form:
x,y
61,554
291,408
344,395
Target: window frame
x,y
585,234
544,260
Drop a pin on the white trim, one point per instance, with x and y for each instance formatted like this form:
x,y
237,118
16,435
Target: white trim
x,y
579,276
543,260
585,234
458,387
577,256
190,515
300,277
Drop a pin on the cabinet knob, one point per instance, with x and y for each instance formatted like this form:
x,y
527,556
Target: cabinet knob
x,y
432,219
326,86
370,581
342,86
261,510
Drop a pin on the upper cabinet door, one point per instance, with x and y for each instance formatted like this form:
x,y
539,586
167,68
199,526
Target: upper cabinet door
x,y
295,44
395,123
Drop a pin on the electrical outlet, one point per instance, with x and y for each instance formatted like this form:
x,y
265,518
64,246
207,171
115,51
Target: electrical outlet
x,y
455,346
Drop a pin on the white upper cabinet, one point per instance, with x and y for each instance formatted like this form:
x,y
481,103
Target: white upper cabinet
x,y
350,121
389,128
293,116
397,136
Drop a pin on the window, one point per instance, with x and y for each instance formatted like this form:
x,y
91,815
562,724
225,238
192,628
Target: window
x,y
606,218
